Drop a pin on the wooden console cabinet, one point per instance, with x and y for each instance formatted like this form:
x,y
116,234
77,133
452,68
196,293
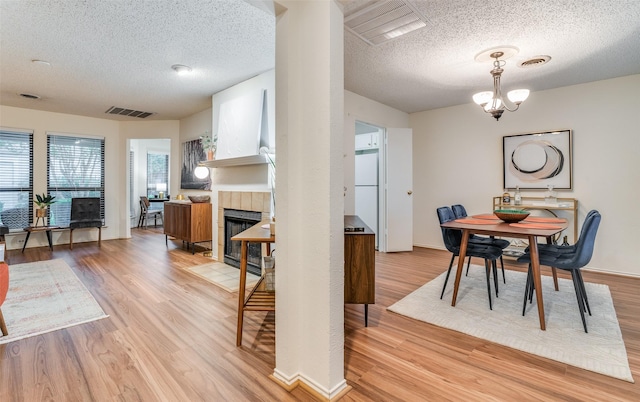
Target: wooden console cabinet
x,y
187,221
359,264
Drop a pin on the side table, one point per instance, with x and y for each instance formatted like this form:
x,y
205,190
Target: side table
x,y
359,264
258,299
46,229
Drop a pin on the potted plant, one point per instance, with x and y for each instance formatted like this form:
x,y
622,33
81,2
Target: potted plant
x,y
209,144
43,201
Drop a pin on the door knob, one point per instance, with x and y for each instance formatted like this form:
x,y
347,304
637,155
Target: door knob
x,y
409,192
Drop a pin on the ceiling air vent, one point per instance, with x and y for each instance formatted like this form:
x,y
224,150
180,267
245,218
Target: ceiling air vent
x,y
128,112
29,96
384,20
535,61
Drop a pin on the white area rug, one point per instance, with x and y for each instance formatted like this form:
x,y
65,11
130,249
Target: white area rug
x,y
601,350
223,275
45,296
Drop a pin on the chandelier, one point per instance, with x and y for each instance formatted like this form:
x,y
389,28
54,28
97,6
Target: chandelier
x,y
492,102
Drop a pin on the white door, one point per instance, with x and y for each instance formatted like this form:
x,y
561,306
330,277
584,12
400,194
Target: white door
x,y
399,189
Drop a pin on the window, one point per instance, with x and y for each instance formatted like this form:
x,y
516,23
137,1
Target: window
x,y
75,167
16,178
157,174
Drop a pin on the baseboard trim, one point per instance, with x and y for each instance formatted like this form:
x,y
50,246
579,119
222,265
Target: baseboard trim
x,y
587,268
298,381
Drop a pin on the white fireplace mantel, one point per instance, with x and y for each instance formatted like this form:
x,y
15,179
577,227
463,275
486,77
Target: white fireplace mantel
x,y
241,161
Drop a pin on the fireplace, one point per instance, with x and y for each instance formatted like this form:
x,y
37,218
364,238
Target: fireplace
x,y
236,221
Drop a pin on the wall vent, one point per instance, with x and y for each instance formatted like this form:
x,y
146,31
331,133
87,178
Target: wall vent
x,y
383,21
128,112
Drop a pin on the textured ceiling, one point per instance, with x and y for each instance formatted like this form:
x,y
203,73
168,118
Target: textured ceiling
x,y
434,67
120,52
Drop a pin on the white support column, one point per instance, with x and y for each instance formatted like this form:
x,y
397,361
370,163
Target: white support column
x,y
310,205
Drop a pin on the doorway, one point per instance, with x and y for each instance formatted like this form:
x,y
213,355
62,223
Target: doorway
x,y
383,181
368,176
149,174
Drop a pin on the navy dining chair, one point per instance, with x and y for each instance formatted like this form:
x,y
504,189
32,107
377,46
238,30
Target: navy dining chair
x,y
559,249
460,212
571,260
452,240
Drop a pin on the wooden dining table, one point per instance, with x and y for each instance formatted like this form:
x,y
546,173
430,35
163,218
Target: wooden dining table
x,y
494,227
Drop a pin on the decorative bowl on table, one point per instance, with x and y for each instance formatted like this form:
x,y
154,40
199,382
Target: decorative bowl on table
x,y
511,215
199,198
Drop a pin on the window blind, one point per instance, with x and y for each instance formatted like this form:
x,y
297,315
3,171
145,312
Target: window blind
x,y
16,178
157,173
75,168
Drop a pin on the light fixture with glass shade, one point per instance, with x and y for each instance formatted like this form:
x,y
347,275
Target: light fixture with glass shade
x,y
492,101
161,188
201,172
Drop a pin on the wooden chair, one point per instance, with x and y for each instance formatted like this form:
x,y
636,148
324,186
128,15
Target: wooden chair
x,y
85,213
4,287
146,213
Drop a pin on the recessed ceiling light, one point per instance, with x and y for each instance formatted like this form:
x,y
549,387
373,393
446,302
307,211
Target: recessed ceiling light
x,y
29,96
181,69
41,62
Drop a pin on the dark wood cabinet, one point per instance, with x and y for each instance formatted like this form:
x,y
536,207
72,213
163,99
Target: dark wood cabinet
x,y
359,263
187,221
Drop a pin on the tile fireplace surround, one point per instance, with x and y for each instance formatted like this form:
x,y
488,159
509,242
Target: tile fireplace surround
x,y
243,201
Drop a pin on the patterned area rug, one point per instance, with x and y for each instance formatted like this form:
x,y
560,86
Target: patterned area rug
x,y
223,275
602,350
45,296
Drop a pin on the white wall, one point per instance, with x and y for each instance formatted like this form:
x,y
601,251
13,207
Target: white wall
x,y
154,129
457,158
267,81
43,122
116,134
255,177
310,258
240,178
252,177
140,148
191,128
359,108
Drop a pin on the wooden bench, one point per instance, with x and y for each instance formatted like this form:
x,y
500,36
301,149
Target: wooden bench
x,y
51,229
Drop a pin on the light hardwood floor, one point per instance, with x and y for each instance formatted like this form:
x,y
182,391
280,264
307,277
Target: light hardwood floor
x,y
171,337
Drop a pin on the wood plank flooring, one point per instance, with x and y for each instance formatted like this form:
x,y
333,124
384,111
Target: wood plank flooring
x,y
171,337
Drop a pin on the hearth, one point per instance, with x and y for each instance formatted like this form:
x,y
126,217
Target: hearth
x,y
236,221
